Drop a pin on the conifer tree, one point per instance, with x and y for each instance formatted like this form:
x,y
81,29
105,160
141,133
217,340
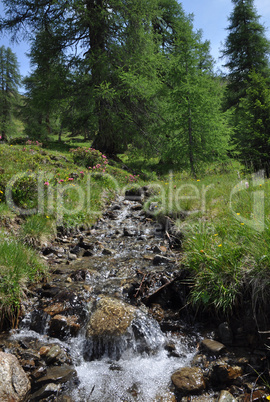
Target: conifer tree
x,y
246,49
197,130
9,82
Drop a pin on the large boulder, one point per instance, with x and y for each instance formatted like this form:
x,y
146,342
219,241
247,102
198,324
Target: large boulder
x,y
111,317
14,383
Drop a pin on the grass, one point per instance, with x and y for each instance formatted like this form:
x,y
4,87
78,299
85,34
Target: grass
x,y
227,214
226,234
45,189
19,266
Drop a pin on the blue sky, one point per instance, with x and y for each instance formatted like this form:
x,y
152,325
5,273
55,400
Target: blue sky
x,y
212,17
209,15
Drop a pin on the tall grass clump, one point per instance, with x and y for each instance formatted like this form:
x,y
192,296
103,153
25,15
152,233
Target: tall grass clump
x,y
37,229
19,266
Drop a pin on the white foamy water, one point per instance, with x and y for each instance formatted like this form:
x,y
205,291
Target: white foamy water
x,y
140,378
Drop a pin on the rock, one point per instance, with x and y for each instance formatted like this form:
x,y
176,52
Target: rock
x,y
134,194
48,251
111,317
55,308
80,275
72,257
45,392
54,354
161,259
108,251
115,207
128,233
166,397
86,246
212,346
57,374
62,326
189,380
159,249
88,253
78,251
225,396
223,373
148,257
225,334
14,384
136,207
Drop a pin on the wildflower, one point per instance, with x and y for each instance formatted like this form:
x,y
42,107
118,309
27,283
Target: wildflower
x,y
70,178
198,180
201,251
246,184
220,245
238,213
242,223
47,217
61,181
46,183
216,234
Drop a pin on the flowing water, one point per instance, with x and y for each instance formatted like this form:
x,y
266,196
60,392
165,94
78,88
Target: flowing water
x,y
135,365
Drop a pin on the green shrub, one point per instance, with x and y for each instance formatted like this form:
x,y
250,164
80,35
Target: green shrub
x,y
90,158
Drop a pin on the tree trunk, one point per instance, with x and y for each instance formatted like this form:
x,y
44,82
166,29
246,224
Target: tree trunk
x,y
191,142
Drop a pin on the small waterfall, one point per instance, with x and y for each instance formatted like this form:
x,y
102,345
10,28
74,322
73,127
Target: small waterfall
x,y
136,367
142,337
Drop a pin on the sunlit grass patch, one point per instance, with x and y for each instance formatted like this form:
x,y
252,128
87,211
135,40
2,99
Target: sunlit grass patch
x,y
19,265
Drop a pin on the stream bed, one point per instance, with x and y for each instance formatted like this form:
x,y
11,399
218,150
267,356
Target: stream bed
x,y
110,323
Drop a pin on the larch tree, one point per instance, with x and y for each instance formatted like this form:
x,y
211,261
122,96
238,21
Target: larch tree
x,y
110,44
246,49
9,82
197,130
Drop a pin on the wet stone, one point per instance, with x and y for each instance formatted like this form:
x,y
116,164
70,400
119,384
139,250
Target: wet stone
x,y
55,354
78,251
115,207
46,391
112,317
223,373
57,374
62,326
225,396
136,207
55,308
80,275
189,380
161,259
108,251
212,346
88,253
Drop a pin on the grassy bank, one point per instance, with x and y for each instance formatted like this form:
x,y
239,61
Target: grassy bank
x,y
226,230
223,215
41,190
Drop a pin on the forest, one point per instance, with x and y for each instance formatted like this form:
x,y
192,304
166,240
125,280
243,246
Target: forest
x,y
135,76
